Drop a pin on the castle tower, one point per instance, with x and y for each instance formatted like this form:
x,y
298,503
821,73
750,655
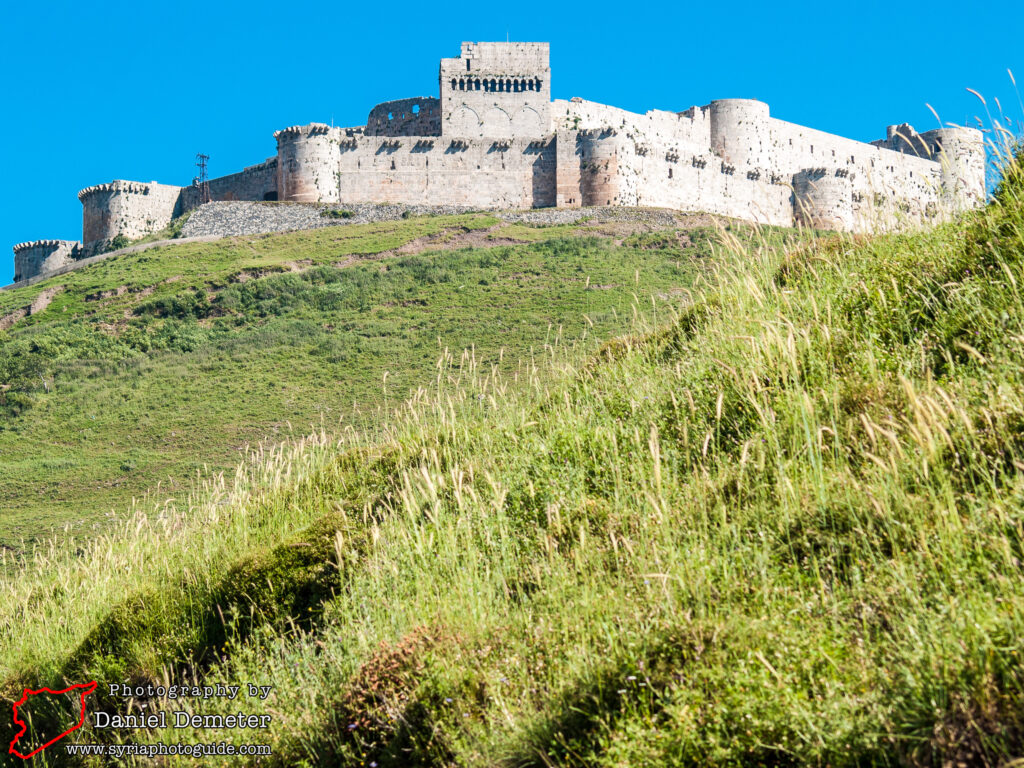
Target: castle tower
x,y
129,208
599,167
823,199
961,153
308,159
34,258
740,132
497,90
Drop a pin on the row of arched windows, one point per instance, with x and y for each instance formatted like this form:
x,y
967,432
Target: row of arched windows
x,y
496,85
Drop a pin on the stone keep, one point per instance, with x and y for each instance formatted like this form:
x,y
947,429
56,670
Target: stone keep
x,y
494,138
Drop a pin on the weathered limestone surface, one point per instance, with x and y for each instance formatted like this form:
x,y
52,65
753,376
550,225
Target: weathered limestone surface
x,y
43,256
493,138
129,208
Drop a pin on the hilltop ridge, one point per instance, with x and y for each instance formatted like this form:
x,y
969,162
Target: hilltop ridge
x,y
493,138
777,524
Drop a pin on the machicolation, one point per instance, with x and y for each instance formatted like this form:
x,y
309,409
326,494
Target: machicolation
x,y
494,139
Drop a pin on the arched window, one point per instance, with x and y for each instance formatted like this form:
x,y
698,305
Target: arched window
x,y
522,85
462,84
494,86
476,85
453,83
538,83
508,86
515,86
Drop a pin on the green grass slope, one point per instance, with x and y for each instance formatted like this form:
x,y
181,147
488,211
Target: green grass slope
x,y
152,367
784,526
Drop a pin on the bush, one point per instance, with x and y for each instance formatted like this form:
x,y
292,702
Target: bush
x,y
117,242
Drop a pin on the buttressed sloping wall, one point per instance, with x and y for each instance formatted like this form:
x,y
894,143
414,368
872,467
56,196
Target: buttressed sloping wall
x,y
493,138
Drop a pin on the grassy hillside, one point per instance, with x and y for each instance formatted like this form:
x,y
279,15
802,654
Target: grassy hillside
x,y
153,367
782,526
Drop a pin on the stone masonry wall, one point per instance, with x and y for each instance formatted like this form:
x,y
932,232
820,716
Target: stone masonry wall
x,y
128,208
406,117
33,258
483,173
497,90
257,182
732,158
229,219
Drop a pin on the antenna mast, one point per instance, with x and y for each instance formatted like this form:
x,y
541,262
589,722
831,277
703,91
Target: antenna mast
x,y
203,179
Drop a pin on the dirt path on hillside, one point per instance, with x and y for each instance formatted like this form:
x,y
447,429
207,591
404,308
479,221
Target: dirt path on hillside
x,y
39,303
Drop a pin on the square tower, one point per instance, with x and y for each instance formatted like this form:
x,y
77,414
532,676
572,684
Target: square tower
x,y
497,90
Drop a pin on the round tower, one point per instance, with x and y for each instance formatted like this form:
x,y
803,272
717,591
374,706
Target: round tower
x,y
307,164
961,151
823,199
599,167
100,223
740,131
39,256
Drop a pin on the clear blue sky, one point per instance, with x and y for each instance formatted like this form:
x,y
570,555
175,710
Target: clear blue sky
x,y
98,91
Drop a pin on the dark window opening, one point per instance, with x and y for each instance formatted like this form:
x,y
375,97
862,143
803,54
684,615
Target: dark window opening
x,y
453,83
670,173
270,196
467,65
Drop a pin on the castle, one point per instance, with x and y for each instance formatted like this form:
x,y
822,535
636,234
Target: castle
x,y
493,138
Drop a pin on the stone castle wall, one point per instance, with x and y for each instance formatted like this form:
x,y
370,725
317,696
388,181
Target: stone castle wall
x,y
44,256
257,182
406,117
496,90
494,139
129,208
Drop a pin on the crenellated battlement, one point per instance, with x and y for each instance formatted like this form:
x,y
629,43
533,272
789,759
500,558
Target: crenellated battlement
x,y
45,244
38,256
493,138
120,186
295,131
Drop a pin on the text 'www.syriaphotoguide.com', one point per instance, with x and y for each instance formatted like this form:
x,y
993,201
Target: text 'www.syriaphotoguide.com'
x,y
157,750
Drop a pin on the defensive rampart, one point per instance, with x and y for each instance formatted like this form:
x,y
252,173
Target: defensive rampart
x,y
493,138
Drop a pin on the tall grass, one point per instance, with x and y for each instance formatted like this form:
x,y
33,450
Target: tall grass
x,y
781,527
